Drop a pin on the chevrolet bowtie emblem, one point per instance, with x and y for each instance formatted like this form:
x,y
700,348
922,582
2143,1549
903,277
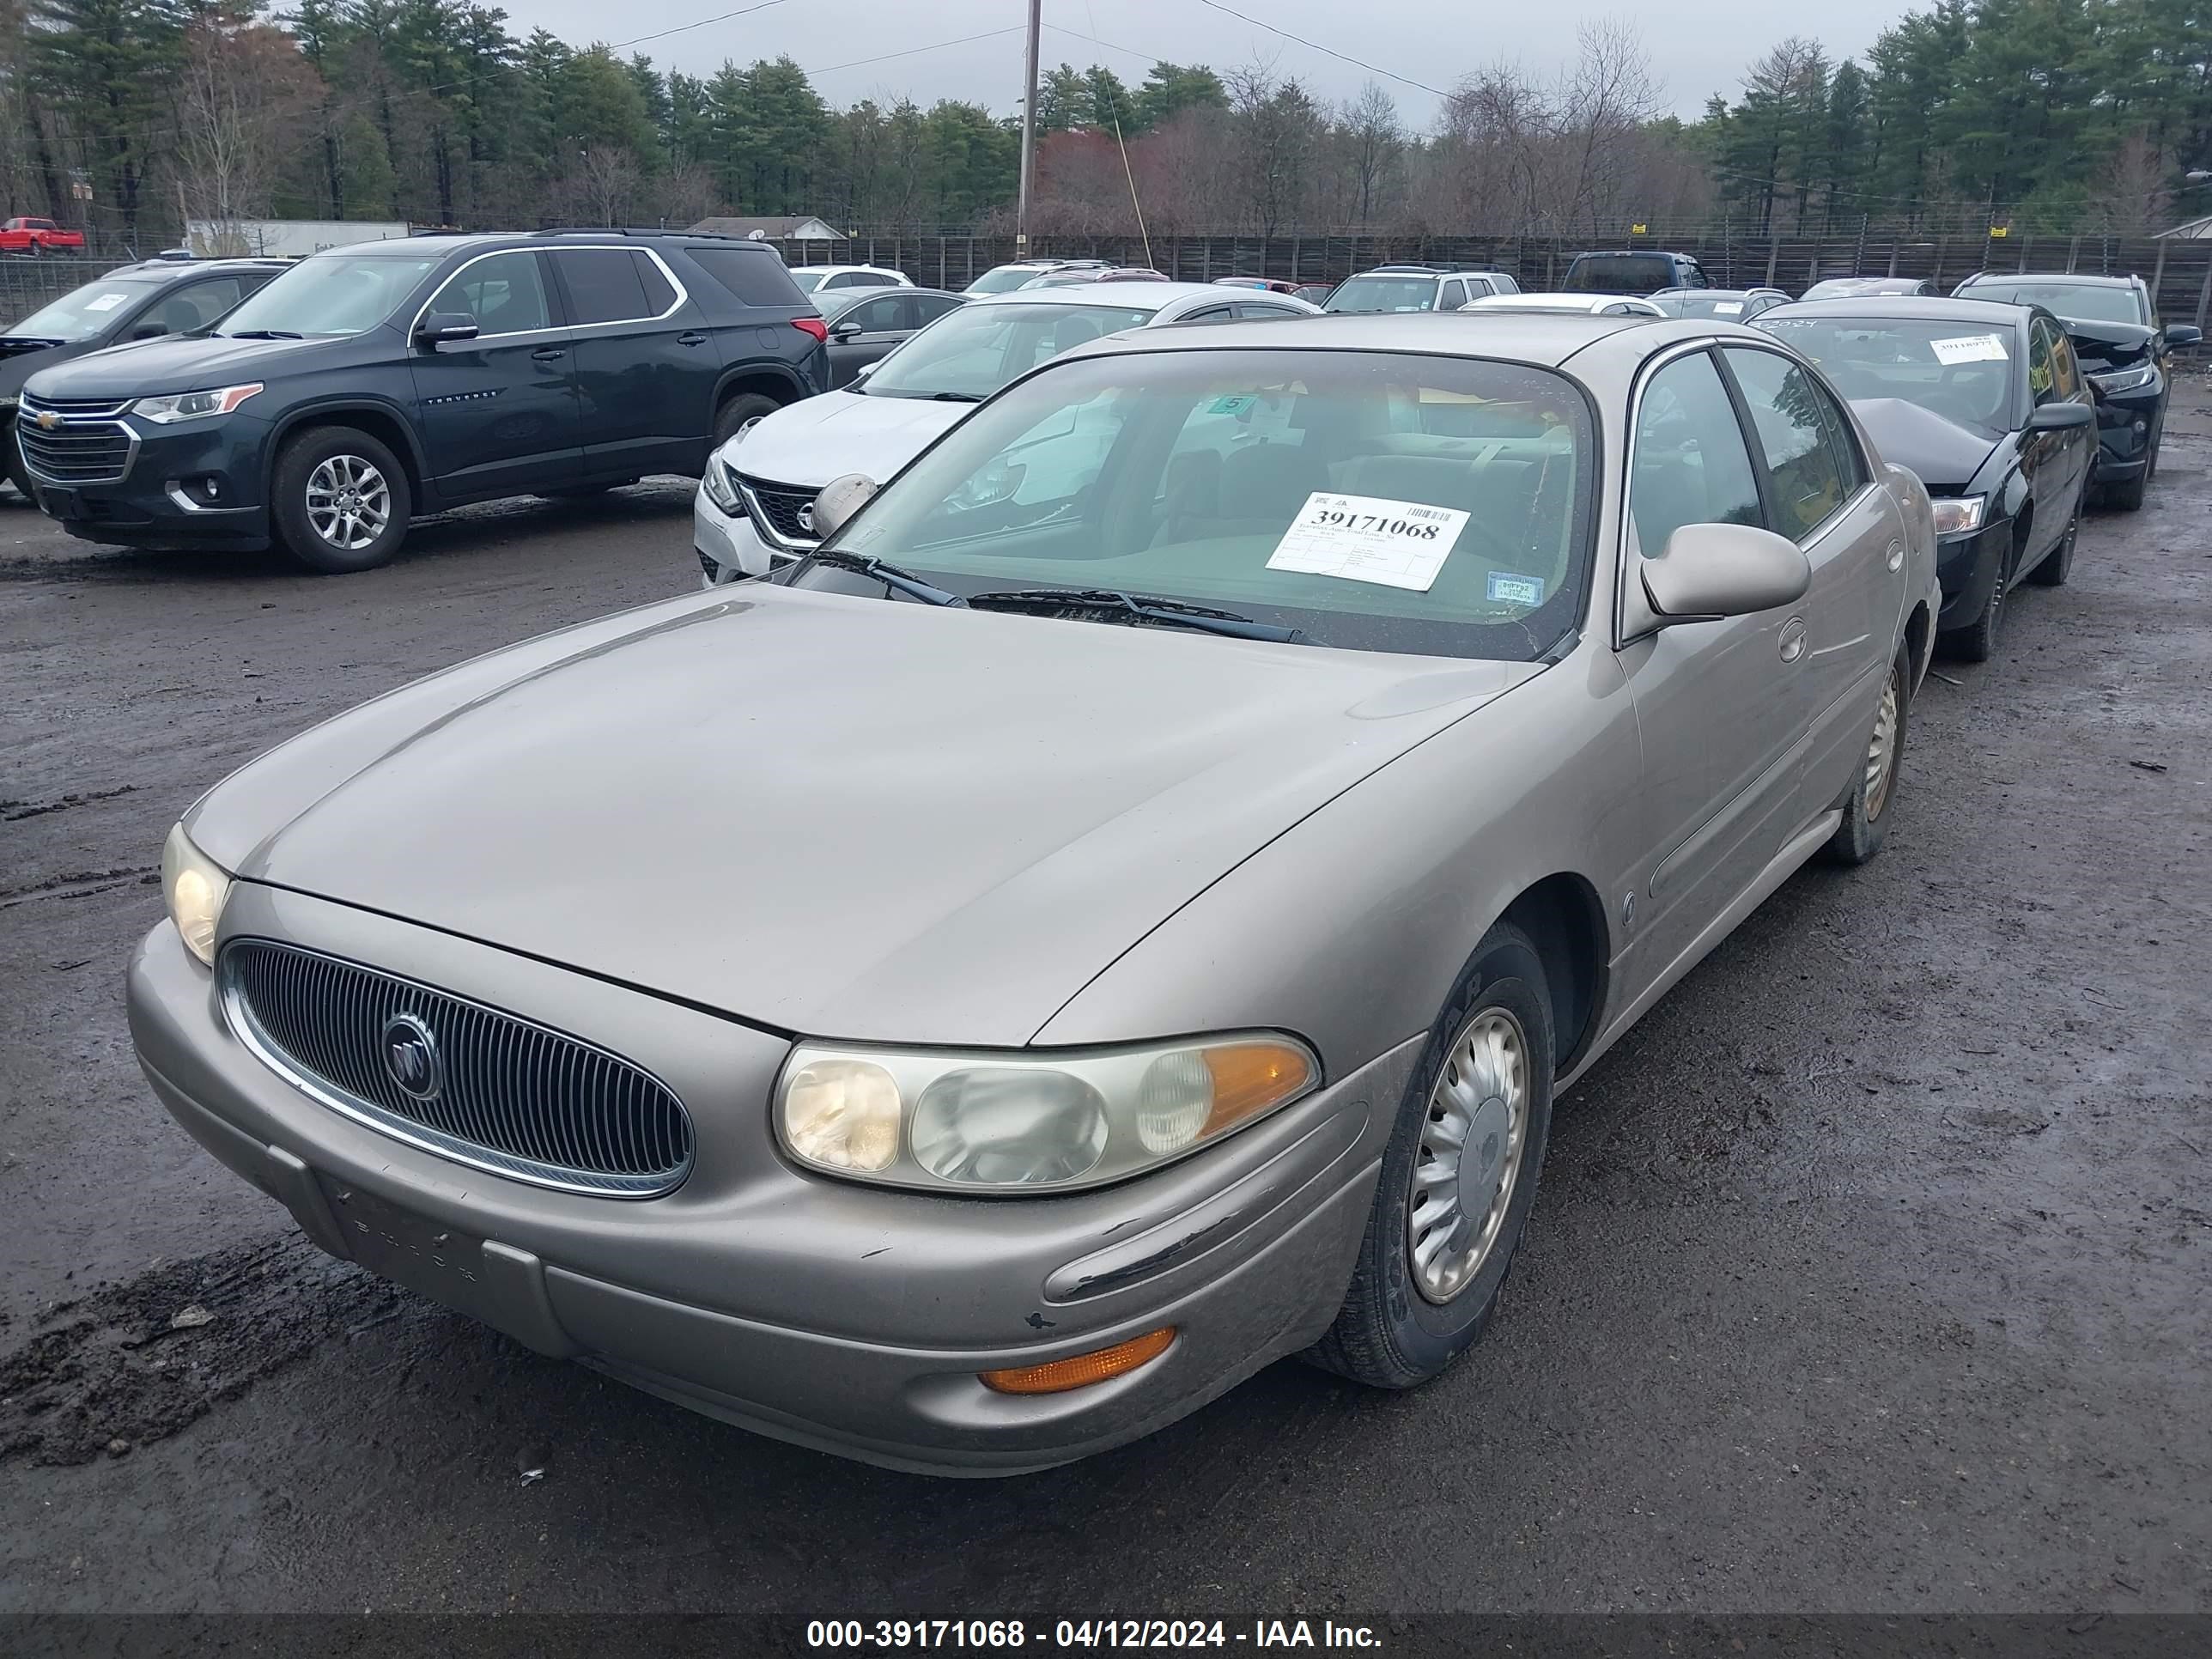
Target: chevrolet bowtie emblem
x,y
48,419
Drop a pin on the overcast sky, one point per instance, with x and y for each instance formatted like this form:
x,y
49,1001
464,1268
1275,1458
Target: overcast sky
x,y
1697,48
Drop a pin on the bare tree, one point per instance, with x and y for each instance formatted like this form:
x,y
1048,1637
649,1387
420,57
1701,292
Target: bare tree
x,y
1375,139
1275,125
604,187
2132,198
241,87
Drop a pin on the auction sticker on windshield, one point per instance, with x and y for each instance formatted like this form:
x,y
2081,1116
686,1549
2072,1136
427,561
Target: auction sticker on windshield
x,y
107,302
1364,538
1969,348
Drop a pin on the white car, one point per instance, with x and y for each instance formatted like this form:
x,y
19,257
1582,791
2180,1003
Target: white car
x,y
1005,279
755,504
818,278
1594,304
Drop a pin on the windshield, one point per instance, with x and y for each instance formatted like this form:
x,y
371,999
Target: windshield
x,y
1384,294
1003,279
808,281
2091,302
1375,501
973,351
1705,302
1961,371
1619,273
330,295
81,312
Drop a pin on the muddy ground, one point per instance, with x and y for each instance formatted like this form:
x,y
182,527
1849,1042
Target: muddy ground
x,y
1870,1273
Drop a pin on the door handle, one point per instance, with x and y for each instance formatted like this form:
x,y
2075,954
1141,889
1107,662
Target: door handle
x,y
691,339
1793,638
548,354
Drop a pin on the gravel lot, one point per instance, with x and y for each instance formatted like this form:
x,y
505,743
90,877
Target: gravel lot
x,y
1870,1272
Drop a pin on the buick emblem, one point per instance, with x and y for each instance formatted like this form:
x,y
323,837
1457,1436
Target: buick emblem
x,y
410,1057
806,518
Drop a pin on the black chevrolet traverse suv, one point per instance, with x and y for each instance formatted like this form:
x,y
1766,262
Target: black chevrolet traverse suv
x,y
371,383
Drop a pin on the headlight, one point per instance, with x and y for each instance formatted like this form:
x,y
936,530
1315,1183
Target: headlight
x,y
2125,380
1014,1122
193,405
720,484
194,888
1955,515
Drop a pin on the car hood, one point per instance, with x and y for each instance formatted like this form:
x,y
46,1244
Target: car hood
x,y
823,813
1946,454
819,439
2102,345
148,368
19,362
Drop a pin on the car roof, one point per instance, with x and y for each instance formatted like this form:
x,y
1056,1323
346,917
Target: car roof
x,y
2072,279
1546,339
1908,308
1703,293
193,267
845,298
1125,296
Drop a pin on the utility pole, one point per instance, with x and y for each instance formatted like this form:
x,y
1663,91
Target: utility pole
x,y
1029,136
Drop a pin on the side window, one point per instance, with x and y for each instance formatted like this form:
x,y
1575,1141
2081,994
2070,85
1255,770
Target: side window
x,y
874,316
603,284
1689,465
1790,417
209,301
1455,296
929,307
505,292
1252,310
2065,374
1211,314
2041,372
660,292
751,278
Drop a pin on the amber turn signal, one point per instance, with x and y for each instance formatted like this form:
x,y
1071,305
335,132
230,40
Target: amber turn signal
x,y
1082,1369
1249,1077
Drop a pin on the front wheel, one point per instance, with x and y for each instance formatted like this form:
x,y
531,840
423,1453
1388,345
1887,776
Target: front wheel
x,y
2128,496
1459,1176
340,500
740,413
1867,809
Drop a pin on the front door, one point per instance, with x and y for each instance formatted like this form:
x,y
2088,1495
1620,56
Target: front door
x,y
867,332
646,365
498,413
1819,494
1720,705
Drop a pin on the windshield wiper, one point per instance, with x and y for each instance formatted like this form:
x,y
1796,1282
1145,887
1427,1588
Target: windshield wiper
x,y
903,581
956,397
264,334
1111,604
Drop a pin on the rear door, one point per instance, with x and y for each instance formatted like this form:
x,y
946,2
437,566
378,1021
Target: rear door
x,y
647,367
1717,702
1820,494
498,413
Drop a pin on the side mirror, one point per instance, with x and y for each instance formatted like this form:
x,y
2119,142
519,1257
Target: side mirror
x,y
440,327
1714,570
2184,334
845,331
841,498
2061,417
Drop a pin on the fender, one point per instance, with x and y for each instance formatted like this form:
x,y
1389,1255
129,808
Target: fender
x,y
769,368
426,487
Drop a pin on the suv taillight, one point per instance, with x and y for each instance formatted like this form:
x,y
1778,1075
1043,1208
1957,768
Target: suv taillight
x,y
813,325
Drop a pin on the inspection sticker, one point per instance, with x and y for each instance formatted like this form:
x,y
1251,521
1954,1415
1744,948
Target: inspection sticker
x,y
1364,538
1970,349
107,302
1728,308
1509,589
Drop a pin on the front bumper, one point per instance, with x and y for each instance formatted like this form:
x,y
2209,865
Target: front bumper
x,y
851,1319
1966,568
197,484
728,547
2127,430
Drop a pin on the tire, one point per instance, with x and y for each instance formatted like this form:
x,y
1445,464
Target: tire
x,y
18,474
2059,564
338,464
2129,496
1978,641
738,413
1398,1326
1867,809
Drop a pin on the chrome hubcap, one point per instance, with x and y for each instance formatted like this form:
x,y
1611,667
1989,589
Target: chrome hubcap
x,y
1469,1160
1881,751
348,503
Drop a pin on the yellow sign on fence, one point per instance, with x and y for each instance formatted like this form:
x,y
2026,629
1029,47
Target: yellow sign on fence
x,y
1639,230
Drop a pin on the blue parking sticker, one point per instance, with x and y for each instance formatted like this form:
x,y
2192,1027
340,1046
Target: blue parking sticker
x,y
1516,589
1233,405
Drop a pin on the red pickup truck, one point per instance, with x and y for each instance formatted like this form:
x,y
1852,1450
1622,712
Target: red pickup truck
x,y
37,236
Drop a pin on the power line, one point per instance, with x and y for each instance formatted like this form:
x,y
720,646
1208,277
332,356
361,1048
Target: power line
x,y
911,52
1326,52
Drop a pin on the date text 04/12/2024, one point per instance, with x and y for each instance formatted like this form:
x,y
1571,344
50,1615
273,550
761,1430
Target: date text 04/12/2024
x,y
1087,1634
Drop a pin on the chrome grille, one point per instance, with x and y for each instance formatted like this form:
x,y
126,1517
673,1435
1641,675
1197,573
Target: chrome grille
x,y
506,1095
85,445
782,507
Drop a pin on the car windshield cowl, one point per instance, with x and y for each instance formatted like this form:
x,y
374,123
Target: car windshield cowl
x,y
1112,604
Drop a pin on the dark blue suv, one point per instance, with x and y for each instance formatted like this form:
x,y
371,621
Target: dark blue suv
x,y
371,383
